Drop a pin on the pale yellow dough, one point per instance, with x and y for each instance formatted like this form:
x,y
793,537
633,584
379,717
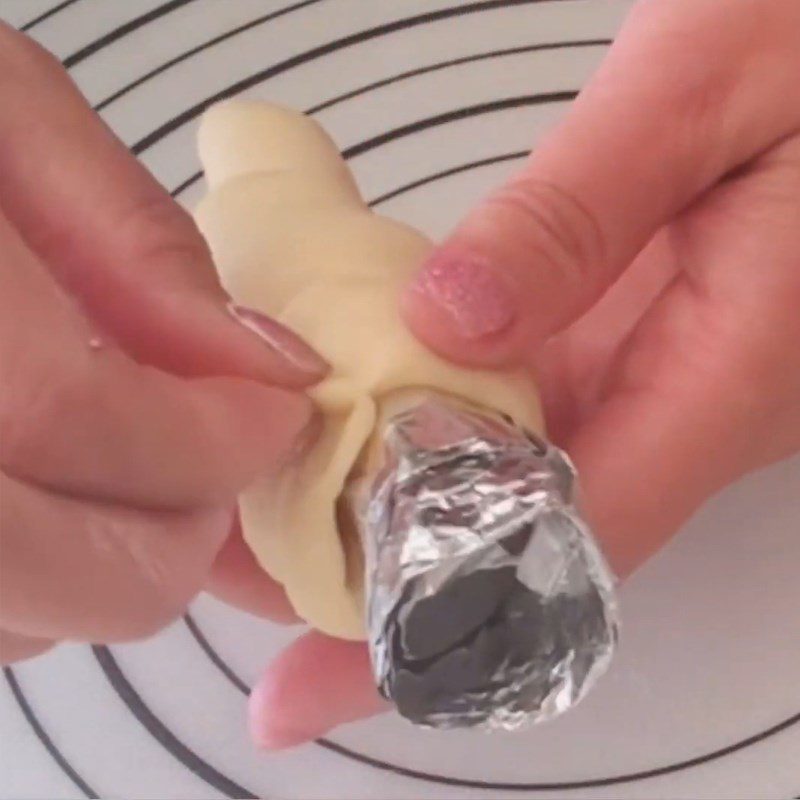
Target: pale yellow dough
x,y
292,237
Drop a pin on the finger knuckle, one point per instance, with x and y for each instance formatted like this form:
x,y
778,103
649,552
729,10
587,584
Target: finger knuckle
x,y
169,565
35,401
161,232
706,54
559,227
697,99
162,578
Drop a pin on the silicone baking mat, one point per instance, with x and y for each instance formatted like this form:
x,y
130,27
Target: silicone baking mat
x,y
433,101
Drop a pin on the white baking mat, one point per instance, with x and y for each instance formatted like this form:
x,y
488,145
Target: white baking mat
x,y
435,101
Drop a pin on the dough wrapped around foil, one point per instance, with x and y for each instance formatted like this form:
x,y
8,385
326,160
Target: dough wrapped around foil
x,y
488,601
292,238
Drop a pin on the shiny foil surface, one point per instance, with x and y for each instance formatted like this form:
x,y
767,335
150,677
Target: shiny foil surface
x,y
488,601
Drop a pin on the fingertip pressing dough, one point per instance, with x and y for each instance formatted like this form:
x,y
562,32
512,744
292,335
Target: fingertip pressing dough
x,y
292,237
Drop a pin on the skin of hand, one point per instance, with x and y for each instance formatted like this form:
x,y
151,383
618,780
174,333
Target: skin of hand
x,y
646,263
134,402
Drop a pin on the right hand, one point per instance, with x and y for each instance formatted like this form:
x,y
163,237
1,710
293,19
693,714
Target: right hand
x,y
133,406
686,374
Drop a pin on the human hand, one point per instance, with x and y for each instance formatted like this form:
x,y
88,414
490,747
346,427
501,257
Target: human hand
x,y
133,405
646,262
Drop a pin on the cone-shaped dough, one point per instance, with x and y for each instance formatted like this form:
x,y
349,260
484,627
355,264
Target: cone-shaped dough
x,y
292,237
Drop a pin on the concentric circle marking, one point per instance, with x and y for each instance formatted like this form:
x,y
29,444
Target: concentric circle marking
x,y
318,52
424,124
161,733
51,12
539,47
41,734
107,101
104,657
123,30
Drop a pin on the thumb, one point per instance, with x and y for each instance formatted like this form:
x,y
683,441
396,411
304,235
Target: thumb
x,y
651,132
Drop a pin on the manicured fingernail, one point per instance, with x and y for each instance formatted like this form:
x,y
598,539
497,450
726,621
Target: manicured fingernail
x,y
469,291
280,339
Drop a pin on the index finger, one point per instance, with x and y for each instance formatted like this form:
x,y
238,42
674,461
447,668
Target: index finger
x,y
111,234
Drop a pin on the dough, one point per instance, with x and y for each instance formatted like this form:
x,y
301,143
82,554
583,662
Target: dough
x,y
292,238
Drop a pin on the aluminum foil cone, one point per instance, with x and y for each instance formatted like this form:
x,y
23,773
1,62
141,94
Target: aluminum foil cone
x,y
488,600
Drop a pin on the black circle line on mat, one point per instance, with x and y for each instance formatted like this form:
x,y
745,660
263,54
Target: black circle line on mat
x,y
47,14
129,87
121,31
316,52
161,733
44,738
466,783
215,658
239,791
454,115
517,155
429,122
455,62
529,48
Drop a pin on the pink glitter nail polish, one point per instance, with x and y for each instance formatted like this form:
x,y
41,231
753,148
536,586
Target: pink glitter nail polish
x,y
469,291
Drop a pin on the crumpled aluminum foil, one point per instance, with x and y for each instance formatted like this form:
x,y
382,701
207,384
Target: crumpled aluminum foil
x,y
488,601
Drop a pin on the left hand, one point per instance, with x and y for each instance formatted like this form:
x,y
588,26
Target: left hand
x,y
133,405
